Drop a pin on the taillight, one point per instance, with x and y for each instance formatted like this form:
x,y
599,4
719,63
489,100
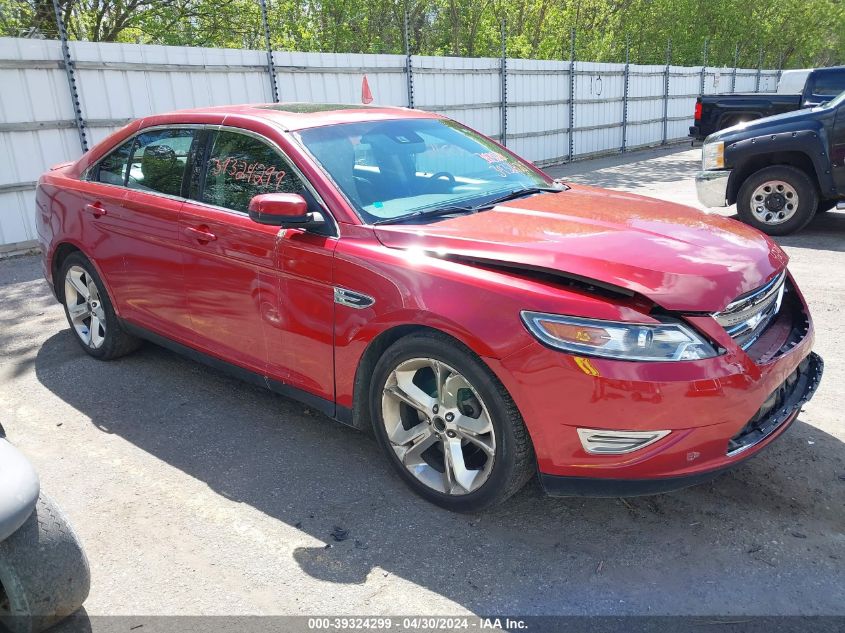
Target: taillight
x,y
698,110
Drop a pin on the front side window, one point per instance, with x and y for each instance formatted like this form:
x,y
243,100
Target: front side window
x,y
158,160
240,167
388,169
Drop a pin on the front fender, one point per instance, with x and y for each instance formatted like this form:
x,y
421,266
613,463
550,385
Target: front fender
x,y
19,488
811,141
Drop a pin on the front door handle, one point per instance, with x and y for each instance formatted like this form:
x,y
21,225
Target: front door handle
x,y
95,209
201,235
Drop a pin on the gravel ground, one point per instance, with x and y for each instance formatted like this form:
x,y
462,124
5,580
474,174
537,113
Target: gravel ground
x,y
195,493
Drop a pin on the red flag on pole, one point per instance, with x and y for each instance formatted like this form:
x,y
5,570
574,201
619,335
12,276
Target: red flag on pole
x,y
366,95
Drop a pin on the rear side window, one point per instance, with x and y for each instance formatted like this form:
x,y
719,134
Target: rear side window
x,y
240,167
158,161
112,169
829,84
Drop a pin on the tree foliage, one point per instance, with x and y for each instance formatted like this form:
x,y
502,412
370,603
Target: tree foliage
x,y
794,33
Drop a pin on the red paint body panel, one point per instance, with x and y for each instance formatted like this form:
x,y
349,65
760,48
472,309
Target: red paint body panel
x,y
263,298
227,279
675,255
703,402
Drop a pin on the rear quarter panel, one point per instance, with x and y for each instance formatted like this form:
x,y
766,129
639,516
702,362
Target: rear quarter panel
x,y
61,219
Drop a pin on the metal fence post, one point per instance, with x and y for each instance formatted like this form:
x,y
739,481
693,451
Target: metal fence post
x,y
70,71
666,92
703,70
780,68
626,76
736,63
571,153
271,69
409,70
504,86
759,70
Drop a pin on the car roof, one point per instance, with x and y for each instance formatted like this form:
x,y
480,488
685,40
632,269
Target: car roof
x,y
294,116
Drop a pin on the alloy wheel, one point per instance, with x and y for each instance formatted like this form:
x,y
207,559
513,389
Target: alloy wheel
x,y
774,202
85,307
438,426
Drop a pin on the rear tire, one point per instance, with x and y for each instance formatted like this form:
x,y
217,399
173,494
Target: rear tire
x,y
777,200
44,574
90,312
467,448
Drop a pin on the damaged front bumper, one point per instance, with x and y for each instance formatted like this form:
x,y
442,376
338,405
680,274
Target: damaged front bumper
x,y
779,410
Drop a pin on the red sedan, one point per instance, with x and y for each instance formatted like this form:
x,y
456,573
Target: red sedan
x,y
405,274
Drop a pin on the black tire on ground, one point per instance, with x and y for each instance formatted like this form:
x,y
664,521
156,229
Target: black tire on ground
x,y
514,462
808,199
117,341
44,575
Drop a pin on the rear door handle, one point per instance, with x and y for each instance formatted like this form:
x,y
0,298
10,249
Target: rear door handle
x,y
95,209
200,235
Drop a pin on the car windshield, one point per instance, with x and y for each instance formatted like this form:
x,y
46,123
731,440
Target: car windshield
x,y
389,169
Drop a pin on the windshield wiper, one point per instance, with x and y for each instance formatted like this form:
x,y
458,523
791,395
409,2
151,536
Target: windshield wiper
x,y
453,210
431,213
517,193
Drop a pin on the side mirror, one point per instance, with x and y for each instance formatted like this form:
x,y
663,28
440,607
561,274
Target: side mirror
x,y
282,209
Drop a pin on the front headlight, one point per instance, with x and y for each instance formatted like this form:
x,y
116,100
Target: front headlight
x,y
668,340
713,156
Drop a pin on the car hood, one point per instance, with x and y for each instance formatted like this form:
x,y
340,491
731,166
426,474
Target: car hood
x,y
680,258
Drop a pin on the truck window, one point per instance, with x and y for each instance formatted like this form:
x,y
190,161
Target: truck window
x,y
829,84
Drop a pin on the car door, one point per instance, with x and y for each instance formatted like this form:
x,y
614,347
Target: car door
x,y
133,205
259,297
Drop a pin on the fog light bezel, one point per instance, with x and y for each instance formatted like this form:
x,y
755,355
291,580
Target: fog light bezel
x,y
638,440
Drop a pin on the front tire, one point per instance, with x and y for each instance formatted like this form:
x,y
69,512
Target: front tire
x,y
90,312
44,574
447,424
777,200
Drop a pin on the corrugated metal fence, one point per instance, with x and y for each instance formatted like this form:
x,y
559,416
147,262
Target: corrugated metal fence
x,y
615,106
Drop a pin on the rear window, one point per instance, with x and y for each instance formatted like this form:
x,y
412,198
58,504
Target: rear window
x,y
112,168
158,161
151,161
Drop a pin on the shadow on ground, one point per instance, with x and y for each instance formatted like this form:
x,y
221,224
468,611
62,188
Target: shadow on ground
x,y
825,232
532,555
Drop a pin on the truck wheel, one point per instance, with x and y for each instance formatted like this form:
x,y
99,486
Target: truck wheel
x,y
44,575
777,200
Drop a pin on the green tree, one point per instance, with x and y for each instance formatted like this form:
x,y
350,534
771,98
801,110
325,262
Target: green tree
x,y
796,33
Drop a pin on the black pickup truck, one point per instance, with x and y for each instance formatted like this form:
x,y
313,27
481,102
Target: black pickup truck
x,y
796,89
780,170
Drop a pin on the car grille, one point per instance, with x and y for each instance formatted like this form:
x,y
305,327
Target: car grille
x,y
747,317
781,404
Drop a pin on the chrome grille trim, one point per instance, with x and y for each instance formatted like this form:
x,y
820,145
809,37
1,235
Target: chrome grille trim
x,y
745,318
755,296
